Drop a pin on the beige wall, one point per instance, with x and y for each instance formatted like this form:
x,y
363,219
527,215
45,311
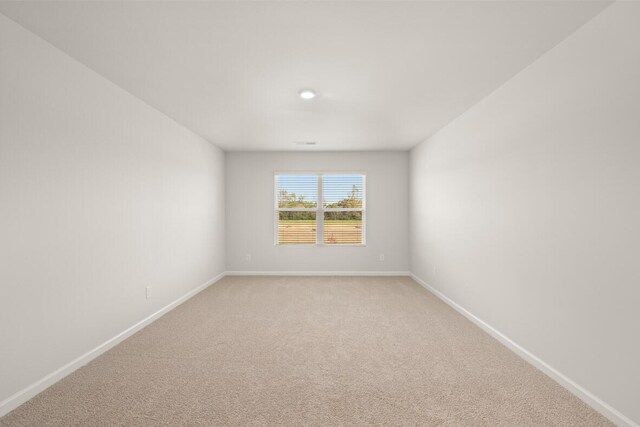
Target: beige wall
x,y
525,209
100,196
250,223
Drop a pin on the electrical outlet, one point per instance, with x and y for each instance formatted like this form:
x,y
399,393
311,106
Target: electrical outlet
x,y
148,292
381,257
248,257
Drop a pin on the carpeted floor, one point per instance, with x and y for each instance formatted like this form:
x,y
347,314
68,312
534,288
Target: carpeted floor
x,y
325,351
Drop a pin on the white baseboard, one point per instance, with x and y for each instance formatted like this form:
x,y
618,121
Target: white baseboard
x,y
17,399
318,273
24,395
589,398
12,402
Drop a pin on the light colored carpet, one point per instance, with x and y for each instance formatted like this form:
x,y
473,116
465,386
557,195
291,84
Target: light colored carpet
x,y
324,351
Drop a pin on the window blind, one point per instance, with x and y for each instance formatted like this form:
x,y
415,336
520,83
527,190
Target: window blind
x,y
296,209
320,209
343,205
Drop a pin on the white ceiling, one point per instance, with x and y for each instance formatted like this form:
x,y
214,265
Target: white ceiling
x,y
388,74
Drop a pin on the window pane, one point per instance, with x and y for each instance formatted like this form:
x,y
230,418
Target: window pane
x,y
342,228
297,191
296,228
342,191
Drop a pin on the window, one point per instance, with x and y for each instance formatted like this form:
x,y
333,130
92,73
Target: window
x,y
324,209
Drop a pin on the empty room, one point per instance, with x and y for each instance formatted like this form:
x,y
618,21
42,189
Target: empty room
x,y
320,213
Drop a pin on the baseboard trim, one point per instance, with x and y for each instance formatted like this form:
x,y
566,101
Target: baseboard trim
x,y
589,398
12,402
318,273
599,405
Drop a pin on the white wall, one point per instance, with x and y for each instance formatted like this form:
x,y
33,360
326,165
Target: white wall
x,y
250,214
100,196
526,209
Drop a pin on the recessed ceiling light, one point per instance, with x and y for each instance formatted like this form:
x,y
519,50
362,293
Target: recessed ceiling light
x,y
307,94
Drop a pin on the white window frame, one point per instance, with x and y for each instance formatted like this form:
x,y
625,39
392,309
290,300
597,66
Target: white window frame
x,y
320,209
